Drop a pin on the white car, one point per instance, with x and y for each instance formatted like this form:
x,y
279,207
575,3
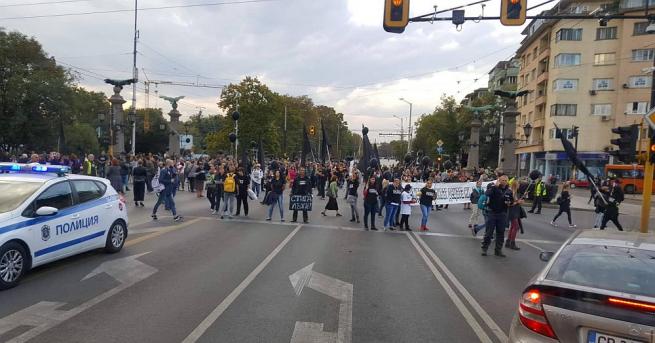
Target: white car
x,y
47,214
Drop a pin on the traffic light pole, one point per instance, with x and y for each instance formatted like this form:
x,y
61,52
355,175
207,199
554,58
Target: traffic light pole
x,y
648,169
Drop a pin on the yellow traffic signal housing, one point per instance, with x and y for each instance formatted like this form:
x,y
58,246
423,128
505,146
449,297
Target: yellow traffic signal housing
x,y
513,12
312,130
396,15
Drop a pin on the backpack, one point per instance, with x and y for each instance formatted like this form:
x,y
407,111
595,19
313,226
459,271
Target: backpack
x,y
230,185
156,186
475,195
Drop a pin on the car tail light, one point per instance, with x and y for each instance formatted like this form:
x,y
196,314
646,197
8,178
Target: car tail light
x,y
532,315
632,304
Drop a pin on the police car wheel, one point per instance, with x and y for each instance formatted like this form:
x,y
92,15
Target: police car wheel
x,y
13,262
116,237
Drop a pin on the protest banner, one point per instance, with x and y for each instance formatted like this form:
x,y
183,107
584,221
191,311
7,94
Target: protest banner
x,y
300,203
448,193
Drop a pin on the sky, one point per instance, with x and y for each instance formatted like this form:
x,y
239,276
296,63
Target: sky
x,y
335,52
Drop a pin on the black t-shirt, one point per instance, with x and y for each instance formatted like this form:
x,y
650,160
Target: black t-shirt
x,y
498,199
393,194
371,195
277,186
242,183
428,195
352,187
301,186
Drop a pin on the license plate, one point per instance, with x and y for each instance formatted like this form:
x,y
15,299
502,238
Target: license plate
x,y
597,337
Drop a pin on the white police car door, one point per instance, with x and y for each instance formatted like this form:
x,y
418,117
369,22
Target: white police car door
x,y
49,239
94,209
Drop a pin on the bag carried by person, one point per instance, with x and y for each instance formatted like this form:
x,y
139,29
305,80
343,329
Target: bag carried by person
x,y
156,185
230,184
251,194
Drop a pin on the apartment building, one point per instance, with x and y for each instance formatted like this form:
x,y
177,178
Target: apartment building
x,y
504,75
581,73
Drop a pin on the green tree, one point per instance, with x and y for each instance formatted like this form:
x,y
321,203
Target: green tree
x,y
445,124
151,134
81,138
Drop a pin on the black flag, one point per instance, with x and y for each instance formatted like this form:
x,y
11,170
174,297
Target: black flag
x,y
306,146
573,157
325,145
376,154
366,151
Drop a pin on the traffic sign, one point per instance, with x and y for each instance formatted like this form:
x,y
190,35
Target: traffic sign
x,y
650,118
439,143
186,142
440,150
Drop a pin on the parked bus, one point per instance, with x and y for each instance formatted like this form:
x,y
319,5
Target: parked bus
x,y
631,176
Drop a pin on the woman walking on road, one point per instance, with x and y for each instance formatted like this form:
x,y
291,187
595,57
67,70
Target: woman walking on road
x,y
332,193
406,207
392,192
428,196
353,185
564,202
513,217
371,202
139,175
275,196
114,176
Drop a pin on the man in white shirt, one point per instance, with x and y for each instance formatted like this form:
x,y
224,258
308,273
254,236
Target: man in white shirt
x,y
256,178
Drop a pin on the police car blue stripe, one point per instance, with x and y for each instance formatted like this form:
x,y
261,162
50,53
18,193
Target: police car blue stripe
x,y
69,243
64,212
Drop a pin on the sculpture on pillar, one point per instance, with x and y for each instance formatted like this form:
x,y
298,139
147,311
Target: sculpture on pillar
x,y
120,83
508,163
473,161
174,137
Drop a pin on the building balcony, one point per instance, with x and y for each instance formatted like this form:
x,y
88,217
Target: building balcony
x,y
541,99
542,77
532,143
544,52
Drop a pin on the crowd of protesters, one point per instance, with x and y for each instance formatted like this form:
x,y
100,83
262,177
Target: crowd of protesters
x,y
229,185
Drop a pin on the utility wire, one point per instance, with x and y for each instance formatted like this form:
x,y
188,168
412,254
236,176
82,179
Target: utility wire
x,y
541,4
237,2
43,3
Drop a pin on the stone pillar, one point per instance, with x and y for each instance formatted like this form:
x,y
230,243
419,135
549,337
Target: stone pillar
x,y
174,136
474,145
117,120
508,140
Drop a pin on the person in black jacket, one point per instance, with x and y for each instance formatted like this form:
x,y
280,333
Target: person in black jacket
x,y
140,176
301,186
392,192
499,197
613,197
243,183
564,202
371,192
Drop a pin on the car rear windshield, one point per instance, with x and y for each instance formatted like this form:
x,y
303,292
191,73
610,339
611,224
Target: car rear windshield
x,y
14,193
619,269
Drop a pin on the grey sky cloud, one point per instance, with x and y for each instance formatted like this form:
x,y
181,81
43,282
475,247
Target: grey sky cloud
x,y
324,49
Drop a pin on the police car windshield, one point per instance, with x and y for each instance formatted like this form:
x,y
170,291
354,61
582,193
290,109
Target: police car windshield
x,y
14,193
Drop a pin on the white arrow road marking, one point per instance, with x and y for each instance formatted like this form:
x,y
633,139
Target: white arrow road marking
x,y
334,288
45,315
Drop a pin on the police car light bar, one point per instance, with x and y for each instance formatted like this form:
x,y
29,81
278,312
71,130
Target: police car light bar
x,y
33,168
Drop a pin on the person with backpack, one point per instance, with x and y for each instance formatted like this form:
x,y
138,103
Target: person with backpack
x,y
243,184
426,199
275,196
482,207
475,196
163,182
564,202
229,193
332,193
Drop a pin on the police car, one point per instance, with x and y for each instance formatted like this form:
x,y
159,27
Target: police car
x,y
47,214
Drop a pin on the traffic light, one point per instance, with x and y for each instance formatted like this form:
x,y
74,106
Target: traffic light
x,y
627,143
513,12
652,151
312,130
396,15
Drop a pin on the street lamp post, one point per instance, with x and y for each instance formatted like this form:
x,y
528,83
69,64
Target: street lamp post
x,y
409,139
402,128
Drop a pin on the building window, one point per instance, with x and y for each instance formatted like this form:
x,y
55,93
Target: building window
x,y
640,28
554,134
603,33
568,34
639,81
637,107
511,80
563,110
603,84
601,109
565,84
643,54
534,54
624,4
567,60
604,59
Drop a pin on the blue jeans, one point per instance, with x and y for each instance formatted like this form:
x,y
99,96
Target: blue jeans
x,y
256,187
479,228
280,205
125,179
166,198
390,215
425,211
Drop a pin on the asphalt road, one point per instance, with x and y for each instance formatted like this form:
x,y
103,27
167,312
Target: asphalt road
x,y
248,280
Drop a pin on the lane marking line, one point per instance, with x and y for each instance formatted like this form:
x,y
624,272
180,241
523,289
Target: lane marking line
x,y
498,332
164,230
218,311
534,246
479,331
